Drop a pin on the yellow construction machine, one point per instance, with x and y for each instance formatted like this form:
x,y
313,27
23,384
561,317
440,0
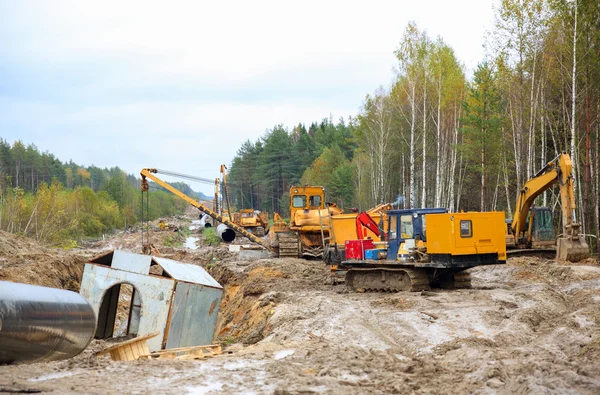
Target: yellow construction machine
x,y
255,221
227,230
425,248
309,225
350,225
164,225
531,229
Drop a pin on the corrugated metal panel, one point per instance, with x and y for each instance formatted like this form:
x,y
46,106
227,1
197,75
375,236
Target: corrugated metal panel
x,y
194,316
154,294
189,273
130,262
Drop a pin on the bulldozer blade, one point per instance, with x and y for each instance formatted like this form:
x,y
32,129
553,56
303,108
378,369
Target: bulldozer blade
x,y
572,250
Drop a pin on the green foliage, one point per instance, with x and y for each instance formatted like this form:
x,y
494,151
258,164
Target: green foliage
x,y
263,172
210,237
333,171
62,216
173,240
481,130
184,231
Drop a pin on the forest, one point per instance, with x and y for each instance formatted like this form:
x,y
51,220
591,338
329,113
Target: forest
x,y
64,203
438,137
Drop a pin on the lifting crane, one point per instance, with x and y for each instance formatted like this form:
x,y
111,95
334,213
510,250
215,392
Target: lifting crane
x,y
364,220
532,227
150,173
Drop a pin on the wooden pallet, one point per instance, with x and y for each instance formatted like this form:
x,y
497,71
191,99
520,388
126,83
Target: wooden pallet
x,y
196,352
129,350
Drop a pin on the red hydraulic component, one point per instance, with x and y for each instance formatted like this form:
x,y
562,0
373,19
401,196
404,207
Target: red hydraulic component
x,y
364,219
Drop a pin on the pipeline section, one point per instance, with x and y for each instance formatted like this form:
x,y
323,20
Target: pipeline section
x,y
225,233
42,324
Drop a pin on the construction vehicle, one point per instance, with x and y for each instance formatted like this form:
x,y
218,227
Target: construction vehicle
x,y
309,225
254,221
150,173
350,226
532,230
163,225
426,248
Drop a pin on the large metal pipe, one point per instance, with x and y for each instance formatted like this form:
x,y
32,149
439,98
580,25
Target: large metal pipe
x,y
225,233
205,221
42,324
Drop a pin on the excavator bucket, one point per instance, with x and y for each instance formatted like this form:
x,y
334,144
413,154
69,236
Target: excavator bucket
x,y
572,249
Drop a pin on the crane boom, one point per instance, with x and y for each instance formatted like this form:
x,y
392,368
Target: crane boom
x,y
150,173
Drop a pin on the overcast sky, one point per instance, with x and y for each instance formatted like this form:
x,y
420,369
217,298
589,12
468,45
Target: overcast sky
x,y
179,85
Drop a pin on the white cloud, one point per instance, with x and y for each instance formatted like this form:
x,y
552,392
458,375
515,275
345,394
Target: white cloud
x,y
180,84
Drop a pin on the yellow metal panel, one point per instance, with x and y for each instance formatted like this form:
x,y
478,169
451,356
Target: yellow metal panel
x,y
344,227
487,234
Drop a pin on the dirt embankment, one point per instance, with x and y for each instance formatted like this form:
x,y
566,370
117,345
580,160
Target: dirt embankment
x,y
530,326
23,260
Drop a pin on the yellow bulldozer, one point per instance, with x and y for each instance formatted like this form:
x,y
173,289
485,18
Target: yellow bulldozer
x,y
309,226
257,222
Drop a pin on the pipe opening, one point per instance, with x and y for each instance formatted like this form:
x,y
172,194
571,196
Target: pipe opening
x,y
228,235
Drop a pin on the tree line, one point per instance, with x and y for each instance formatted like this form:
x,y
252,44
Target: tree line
x,y
436,137
63,203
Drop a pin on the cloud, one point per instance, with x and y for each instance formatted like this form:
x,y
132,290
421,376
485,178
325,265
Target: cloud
x,y
180,85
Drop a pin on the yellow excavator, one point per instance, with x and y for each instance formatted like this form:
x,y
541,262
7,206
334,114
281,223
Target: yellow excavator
x,y
531,228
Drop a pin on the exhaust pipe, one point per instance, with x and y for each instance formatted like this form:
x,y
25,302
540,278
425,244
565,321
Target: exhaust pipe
x,y
42,324
225,233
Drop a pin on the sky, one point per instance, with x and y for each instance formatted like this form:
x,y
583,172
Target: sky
x,y
180,85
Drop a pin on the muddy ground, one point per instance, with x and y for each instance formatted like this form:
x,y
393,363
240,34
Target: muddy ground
x,y
530,326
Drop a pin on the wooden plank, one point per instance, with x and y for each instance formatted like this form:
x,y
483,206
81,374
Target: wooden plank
x,y
130,341
196,352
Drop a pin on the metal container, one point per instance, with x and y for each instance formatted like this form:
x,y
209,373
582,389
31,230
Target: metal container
x,y
355,249
42,324
225,233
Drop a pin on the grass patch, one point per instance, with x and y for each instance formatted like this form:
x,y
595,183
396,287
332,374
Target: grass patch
x,y
210,237
185,231
173,240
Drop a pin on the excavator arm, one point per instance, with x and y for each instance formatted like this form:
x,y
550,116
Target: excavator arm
x,y
150,173
571,246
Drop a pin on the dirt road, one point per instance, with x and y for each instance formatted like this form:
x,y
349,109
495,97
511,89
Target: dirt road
x,y
530,326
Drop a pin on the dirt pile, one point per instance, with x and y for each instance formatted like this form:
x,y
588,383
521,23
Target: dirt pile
x,y
26,261
530,326
252,291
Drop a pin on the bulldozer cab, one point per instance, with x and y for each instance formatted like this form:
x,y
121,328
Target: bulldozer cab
x,y
539,226
306,198
405,225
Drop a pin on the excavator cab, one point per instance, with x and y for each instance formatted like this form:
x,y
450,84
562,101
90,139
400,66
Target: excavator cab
x,y
539,223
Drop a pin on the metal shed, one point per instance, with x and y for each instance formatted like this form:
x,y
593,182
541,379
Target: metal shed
x,y
177,300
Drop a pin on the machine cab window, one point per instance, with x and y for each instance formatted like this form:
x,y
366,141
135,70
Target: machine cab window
x,y
406,227
299,201
466,228
315,201
393,227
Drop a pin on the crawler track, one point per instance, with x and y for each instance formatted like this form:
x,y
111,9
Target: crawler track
x,y
289,245
387,280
